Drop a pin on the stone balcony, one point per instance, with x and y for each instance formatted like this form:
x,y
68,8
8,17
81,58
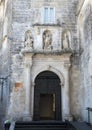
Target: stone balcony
x,y
47,52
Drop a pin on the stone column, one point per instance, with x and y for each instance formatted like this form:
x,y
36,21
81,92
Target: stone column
x,y
27,85
66,93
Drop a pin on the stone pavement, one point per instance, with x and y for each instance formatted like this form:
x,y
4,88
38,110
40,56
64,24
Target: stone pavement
x,y
1,127
1,117
81,126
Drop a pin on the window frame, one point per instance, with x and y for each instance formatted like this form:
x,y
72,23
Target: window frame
x,y
48,20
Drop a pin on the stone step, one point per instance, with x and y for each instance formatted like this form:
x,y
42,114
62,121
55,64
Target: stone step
x,y
42,125
42,129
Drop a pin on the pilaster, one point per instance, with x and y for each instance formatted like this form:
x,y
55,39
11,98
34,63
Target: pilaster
x,y
28,86
66,104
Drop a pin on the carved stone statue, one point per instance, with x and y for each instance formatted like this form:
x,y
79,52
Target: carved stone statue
x,y
66,40
29,41
47,40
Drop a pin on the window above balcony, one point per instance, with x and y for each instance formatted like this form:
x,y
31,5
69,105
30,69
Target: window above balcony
x,y
49,15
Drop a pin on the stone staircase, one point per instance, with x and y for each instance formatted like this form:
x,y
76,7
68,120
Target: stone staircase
x,y
43,125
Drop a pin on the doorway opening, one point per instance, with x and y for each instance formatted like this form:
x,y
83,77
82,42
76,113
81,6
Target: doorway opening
x,y
47,107
47,97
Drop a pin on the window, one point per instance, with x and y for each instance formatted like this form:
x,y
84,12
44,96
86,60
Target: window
x,y
49,15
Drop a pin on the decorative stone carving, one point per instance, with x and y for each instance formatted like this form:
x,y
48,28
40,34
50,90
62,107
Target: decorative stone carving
x,y
28,64
66,40
67,66
29,41
47,40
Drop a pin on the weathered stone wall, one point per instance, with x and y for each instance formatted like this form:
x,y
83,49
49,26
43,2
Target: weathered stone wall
x,y
85,57
1,33
32,13
28,15
5,31
18,17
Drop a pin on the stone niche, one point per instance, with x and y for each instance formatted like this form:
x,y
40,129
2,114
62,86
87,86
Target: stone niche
x,y
29,40
66,40
47,38
43,38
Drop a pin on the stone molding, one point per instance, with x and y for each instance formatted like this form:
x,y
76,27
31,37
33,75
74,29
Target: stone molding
x,y
50,68
28,60
67,66
28,64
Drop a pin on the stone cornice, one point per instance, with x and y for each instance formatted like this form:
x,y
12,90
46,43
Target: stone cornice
x,y
47,52
46,25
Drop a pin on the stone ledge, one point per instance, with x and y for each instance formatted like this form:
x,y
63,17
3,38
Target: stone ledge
x,y
52,25
47,52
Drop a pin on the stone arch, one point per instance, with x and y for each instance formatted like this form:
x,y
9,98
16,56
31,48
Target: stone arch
x,y
86,47
84,21
47,83
66,39
86,26
49,72
47,39
54,70
87,33
86,13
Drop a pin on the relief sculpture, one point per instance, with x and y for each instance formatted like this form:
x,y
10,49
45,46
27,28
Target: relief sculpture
x,y
47,40
29,41
66,40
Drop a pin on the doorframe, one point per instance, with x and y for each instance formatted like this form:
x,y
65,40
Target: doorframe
x,y
62,83
60,92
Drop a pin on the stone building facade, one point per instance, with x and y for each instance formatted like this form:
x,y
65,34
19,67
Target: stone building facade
x,y
46,57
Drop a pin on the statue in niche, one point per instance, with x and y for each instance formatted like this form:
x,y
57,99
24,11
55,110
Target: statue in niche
x,y
66,40
47,40
29,41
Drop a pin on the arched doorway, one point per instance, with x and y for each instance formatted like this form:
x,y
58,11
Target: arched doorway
x,y
47,97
